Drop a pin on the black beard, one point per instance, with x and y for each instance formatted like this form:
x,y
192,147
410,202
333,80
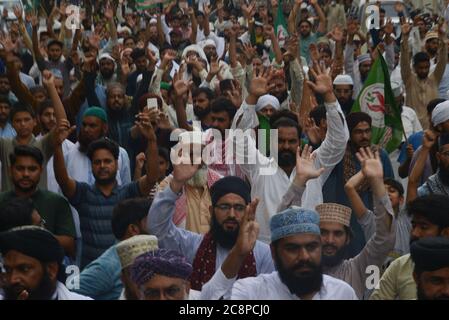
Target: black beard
x,y
201,113
443,174
421,295
286,158
106,181
44,291
332,261
225,239
107,74
300,285
282,96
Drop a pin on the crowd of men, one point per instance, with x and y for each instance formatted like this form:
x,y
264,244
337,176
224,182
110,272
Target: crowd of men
x,y
136,148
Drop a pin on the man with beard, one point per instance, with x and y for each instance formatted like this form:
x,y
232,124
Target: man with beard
x,y
431,41
429,219
33,264
94,202
359,124
296,251
439,182
431,272
230,197
193,207
343,88
270,179
94,126
107,70
202,98
26,168
334,223
421,86
102,279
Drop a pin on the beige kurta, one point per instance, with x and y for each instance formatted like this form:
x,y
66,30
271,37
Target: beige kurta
x,y
420,92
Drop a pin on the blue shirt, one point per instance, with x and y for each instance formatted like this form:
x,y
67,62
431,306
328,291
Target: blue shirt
x,y
415,140
101,280
95,212
8,131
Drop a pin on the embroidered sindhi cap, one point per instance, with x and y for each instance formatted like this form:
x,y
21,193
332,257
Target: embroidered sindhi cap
x,y
294,220
129,249
334,212
163,262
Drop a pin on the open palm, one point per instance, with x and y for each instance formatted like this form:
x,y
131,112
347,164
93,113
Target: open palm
x,y
305,167
371,164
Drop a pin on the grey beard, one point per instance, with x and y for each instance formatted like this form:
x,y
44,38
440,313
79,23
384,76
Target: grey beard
x,y
199,179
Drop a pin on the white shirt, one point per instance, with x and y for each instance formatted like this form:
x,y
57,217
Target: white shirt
x,y
62,293
270,287
79,167
270,188
27,80
410,121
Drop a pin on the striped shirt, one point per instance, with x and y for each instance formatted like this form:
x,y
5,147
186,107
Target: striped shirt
x,y
95,212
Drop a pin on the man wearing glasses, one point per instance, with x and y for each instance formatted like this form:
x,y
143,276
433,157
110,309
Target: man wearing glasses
x,y
231,198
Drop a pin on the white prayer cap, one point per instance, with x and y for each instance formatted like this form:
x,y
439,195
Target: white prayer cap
x,y
153,21
396,87
106,56
209,42
343,79
41,29
441,113
128,250
196,48
364,57
121,29
266,100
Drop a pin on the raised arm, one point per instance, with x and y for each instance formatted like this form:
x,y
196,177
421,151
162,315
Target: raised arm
x,y
321,16
442,57
181,90
429,139
358,207
194,33
147,182
269,30
406,71
66,183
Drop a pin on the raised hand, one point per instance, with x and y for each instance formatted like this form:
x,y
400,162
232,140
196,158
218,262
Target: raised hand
x,y
6,42
181,87
214,67
34,20
63,131
249,230
169,56
389,28
261,84
249,51
18,12
429,138
48,79
234,95
305,168
406,28
312,131
371,164
109,12
323,80
145,126
410,151
337,33
183,170
140,160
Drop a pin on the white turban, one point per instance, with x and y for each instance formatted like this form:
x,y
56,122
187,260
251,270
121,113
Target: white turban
x,y
106,56
197,49
441,113
208,42
343,79
266,100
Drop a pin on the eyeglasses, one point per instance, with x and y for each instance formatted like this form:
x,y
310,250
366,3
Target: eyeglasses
x,y
227,207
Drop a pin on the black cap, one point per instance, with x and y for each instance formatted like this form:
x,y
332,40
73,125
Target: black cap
x,y
32,241
230,184
54,41
430,253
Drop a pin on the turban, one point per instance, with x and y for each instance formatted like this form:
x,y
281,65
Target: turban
x,y
121,29
354,118
430,253
441,113
334,212
294,220
266,100
106,56
163,262
32,241
364,57
129,249
209,42
230,184
343,79
96,112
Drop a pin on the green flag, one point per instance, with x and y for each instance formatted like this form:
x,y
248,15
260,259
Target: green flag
x,y
376,98
280,26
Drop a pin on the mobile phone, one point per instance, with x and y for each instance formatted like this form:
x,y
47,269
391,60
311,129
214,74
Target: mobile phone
x,y
151,103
